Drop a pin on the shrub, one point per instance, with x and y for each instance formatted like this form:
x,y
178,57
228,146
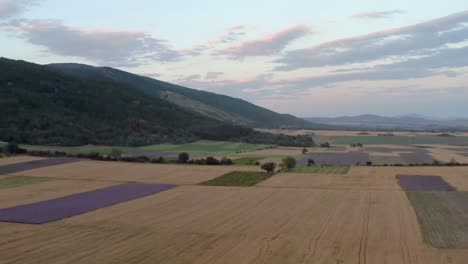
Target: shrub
x,y
304,151
183,157
158,160
453,162
325,145
116,153
142,159
13,148
212,161
40,153
226,161
93,155
289,162
269,167
310,162
369,163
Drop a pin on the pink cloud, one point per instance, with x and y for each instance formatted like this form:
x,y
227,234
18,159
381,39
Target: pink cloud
x,y
232,34
266,46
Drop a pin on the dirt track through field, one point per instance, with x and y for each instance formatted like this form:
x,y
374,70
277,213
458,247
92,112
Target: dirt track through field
x,y
360,217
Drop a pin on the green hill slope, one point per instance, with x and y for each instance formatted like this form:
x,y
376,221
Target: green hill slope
x,y
209,104
41,105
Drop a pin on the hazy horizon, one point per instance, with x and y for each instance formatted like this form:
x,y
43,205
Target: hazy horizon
x,y
302,58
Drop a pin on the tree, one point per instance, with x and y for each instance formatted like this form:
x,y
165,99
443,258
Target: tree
x,y
269,167
226,161
13,148
212,161
289,162
183,157
116,153
453,161
304,151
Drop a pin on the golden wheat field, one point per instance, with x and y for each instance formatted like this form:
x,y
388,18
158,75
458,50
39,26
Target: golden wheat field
x,y
127,172
359,217
17,159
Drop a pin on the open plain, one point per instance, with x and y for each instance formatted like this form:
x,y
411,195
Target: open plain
x,y
362,216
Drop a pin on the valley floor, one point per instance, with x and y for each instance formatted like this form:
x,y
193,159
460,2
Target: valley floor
x,y
362,216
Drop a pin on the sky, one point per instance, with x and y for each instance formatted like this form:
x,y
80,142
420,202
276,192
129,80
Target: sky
x,y
306,58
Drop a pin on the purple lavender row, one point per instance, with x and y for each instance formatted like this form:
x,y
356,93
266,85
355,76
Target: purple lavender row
x,y
68,206
35,164
424,183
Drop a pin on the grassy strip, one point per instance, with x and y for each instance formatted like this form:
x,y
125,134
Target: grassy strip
x,y
15,181
425,236
238,178
321,169
203,146
247,160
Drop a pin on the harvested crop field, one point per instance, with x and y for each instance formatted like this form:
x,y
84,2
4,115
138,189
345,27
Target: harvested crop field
x,y
444,155
128,172
359,217
17,159
35,164
400,140
443,217
56,209
344,158
321,169
204,224
52,189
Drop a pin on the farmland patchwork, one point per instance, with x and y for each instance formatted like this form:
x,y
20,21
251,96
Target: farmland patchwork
x,y
35,164
443,217
68,206
442,211
424,183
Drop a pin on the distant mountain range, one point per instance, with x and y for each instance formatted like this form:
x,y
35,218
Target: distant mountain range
x,y
410,122
74,104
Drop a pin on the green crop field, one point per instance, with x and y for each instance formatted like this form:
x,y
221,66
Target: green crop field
x,y
442,217
209,147
15,181
398,140
238,178
322,169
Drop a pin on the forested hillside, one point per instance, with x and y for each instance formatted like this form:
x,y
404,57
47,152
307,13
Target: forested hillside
x,y
41,105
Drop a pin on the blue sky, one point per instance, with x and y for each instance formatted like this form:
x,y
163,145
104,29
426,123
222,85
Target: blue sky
x,y
308,58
